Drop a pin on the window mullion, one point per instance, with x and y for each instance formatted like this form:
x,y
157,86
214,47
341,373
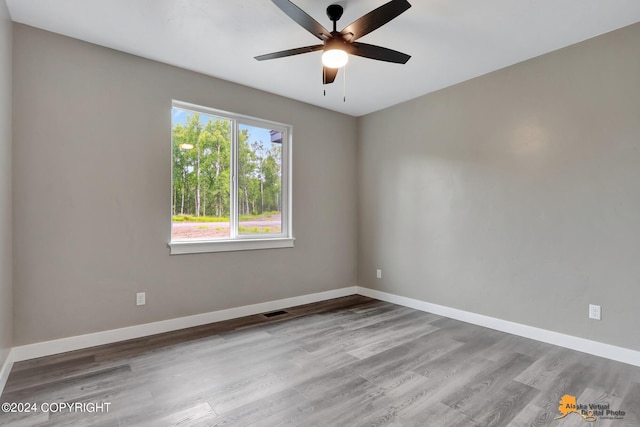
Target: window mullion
x,y
233,198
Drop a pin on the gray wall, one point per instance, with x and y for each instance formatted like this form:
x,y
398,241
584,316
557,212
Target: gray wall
x,y
514,195
6,280
92,194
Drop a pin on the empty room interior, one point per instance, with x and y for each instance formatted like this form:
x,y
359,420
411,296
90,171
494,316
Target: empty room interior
x,y
205,220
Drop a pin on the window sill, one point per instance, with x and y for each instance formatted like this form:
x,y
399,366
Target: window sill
x,y
199,247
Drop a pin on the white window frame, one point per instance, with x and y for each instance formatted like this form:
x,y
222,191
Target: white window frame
x,y
237,242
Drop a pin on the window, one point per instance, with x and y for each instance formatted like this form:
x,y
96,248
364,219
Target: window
x,y
230,182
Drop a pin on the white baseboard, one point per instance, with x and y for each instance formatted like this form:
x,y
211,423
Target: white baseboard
x,y
595,348
5,370
47,348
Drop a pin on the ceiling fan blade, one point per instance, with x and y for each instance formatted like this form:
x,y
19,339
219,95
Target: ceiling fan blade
x,y
380,53
304,20
375,19
329,75
289,52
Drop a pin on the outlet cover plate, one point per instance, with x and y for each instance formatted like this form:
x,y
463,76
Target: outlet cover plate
x,y
141,298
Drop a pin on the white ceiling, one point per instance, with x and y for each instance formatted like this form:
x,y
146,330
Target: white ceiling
x,y
450,40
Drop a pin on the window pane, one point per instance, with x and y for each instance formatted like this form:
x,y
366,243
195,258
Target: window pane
x,y
201,176
259,180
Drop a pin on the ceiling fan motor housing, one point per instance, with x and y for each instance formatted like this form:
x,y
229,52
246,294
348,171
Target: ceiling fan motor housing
x,y
336,43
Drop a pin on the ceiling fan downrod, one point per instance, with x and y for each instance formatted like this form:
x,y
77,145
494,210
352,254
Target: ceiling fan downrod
x,y
334,12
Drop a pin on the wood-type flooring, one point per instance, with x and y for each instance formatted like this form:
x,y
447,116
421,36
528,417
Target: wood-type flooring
x,y
350,361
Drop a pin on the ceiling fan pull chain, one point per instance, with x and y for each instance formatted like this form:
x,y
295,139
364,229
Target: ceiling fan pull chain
x,y
344,85
324,79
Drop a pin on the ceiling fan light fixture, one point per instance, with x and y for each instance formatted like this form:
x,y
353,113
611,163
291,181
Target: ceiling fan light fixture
x,y
335,58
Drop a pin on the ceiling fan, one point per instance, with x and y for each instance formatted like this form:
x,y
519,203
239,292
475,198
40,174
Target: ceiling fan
x,y
337,45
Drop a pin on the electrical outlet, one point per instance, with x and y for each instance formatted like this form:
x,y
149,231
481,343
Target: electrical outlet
x,y
379,274
594,312
141,298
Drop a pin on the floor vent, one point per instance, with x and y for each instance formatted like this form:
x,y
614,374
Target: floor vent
x,y
275,313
